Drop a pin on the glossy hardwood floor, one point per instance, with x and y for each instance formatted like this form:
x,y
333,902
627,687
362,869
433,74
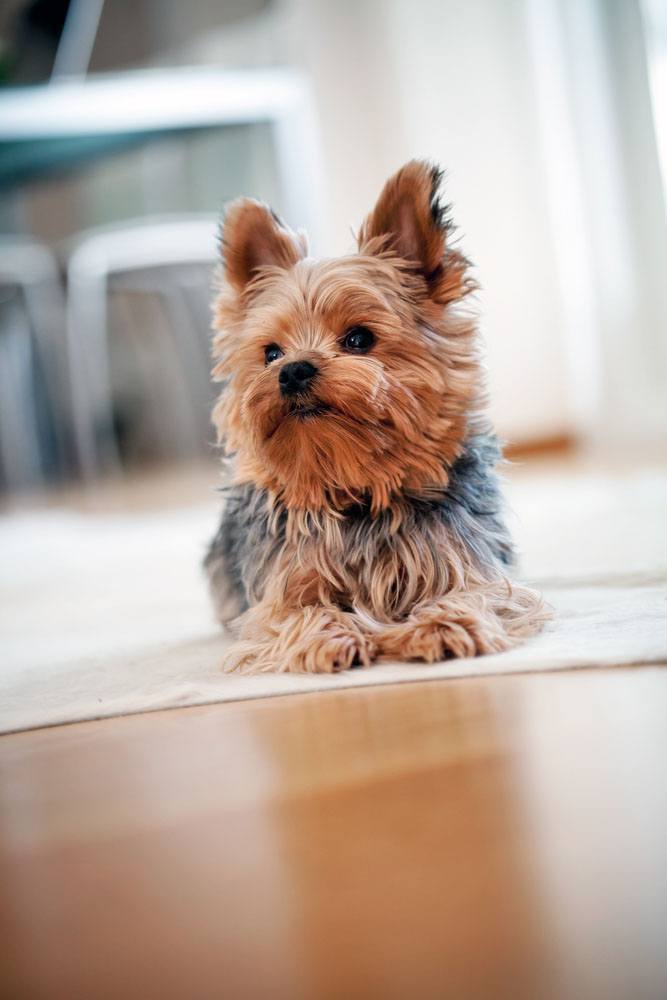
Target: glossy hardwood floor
x,y
488,838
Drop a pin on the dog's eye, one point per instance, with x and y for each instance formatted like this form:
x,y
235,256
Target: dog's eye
x,y
358,339
271,353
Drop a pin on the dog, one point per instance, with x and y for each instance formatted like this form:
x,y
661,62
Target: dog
x,y
363,516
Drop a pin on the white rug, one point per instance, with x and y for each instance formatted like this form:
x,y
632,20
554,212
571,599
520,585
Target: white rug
x,y
105,614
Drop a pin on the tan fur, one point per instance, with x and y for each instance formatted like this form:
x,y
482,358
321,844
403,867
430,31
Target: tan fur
x,y
298,623
394,421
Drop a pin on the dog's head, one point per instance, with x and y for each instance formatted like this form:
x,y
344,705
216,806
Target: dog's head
x,y
346,380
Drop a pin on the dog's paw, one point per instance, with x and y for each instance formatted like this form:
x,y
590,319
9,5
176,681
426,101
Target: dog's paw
x,y
439,642
334,653
435,640
308,642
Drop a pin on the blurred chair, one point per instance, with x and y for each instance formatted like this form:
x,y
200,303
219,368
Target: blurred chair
x,y
69,121
170,258
72,121
34,408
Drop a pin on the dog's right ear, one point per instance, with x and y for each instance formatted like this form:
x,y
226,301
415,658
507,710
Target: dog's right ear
x,y
254,237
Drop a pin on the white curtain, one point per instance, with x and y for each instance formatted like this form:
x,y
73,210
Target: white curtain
x,y
598,125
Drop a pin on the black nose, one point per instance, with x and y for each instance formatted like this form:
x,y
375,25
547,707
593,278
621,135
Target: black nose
x,y
295,377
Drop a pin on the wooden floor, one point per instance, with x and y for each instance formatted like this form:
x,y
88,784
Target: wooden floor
x,y
496,837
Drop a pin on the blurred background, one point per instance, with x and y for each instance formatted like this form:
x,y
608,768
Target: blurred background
x,y
125,125
517,824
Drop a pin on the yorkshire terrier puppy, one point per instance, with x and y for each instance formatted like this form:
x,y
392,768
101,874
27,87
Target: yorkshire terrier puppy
x,y
364,516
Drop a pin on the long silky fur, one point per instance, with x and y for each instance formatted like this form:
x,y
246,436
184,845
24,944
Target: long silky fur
x,y
379,530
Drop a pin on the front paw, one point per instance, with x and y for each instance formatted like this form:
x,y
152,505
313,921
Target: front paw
x,y
333,653
445,630
443,640
311,641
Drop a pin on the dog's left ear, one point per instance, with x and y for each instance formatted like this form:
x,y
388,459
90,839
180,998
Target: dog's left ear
x,y
410,220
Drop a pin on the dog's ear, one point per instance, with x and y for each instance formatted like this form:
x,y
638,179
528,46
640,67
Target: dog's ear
x,y
410,219
254,237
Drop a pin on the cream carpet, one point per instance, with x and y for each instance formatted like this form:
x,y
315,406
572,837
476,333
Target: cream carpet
x,y
105,612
